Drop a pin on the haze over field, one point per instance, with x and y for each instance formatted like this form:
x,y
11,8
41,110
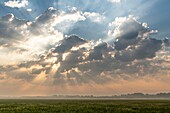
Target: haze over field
x,y
84,47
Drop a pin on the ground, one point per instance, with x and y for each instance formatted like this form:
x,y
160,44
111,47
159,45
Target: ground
x,y
83,106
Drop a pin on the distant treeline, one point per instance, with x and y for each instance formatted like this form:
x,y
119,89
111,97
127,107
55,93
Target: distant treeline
x,y
134,95
141,95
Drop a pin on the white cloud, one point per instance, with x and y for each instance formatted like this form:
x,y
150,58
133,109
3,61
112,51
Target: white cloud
x,y
114,1
65,21
29,10
95,17
16,3
70,17
121,24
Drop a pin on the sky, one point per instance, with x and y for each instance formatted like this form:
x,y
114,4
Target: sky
x,y
100,47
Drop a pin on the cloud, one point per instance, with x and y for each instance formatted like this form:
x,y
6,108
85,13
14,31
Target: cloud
x,y
36,36
75,21
122,23
100,51
95,17
16,3
12,29
68,43
144,49
32,37
74,71
66,20
75,60
133,39
44,56
167,42
29,10
114,1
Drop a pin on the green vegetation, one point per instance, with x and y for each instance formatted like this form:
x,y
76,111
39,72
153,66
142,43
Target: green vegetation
x,y
84,106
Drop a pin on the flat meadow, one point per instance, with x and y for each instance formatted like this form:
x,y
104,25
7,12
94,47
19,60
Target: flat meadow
x,y
83,106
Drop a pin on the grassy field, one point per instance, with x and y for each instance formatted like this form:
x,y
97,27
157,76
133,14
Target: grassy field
x,y
84,106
